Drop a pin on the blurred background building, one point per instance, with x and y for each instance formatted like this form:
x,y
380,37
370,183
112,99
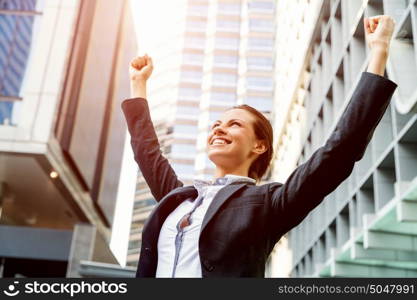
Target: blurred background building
x,y
367,227
296,21
62,134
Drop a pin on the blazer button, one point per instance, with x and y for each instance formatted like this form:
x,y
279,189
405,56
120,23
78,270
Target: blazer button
x,y
147,249
208,266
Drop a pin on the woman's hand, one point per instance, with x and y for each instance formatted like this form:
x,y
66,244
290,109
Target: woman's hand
x,y
140,70
378,33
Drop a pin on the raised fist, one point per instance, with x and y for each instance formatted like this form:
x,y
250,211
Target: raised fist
x,y
140,68
378,31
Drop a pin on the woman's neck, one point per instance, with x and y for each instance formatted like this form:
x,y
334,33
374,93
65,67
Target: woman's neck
x,y
221,172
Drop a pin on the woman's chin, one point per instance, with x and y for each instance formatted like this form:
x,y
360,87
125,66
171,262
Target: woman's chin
x,y
217,153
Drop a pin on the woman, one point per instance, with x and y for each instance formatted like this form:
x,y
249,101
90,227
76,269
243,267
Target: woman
x,y
227,227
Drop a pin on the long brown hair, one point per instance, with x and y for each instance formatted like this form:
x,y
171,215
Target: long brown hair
x,y
263,131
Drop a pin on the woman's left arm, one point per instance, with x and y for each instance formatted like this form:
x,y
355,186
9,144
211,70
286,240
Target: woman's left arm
x,y
332,163
378,31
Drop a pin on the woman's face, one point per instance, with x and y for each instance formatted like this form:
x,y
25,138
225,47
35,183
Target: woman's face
x,y
232,139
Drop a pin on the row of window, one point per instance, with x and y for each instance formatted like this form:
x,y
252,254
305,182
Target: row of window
x,y
222,79
194,94
254,62
260,103
233,25
15,43
263,44
228,8
183,169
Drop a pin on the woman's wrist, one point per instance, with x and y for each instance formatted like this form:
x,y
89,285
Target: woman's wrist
x,y
378,60
138,89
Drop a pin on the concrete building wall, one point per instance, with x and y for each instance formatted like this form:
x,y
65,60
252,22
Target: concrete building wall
x,y
362,228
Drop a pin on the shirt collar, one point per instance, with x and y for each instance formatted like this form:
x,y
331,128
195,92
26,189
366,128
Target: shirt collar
x,y
227,179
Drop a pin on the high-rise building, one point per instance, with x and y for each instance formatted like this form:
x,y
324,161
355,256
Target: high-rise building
x,y
209,56
295,23
63,75
368,225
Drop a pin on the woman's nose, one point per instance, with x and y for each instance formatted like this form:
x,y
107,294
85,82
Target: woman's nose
x,y
219,128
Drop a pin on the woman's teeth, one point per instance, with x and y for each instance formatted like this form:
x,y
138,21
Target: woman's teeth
x,y
219,142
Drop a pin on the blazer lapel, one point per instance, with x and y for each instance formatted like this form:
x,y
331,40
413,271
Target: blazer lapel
x,y
218,200
161,211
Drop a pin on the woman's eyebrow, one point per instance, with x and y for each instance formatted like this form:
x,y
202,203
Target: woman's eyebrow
x,y
218,121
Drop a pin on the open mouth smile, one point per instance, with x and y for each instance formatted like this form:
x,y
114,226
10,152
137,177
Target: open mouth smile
x,y
219,141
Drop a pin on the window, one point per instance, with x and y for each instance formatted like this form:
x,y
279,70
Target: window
x,y
189,94
223,97
264,83
196,25
181,169
194,76
213,116
227,43
261,44
134,246
261,5
143,203
224,79
194,42
16,31
187,129
260,103
183,150
225,60
259,62
228,25
261,25
188,110
197,10
193,58
229,8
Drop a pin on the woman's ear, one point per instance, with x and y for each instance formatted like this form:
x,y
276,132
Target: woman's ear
x,y
260,147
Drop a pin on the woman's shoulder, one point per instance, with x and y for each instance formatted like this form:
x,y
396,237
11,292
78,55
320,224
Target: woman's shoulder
x,y
264,188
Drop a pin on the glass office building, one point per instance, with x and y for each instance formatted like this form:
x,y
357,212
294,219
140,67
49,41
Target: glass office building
x,y
60,132
16,30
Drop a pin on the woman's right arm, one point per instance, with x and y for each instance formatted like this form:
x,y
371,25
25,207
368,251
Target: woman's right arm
x,y
157,171
332,163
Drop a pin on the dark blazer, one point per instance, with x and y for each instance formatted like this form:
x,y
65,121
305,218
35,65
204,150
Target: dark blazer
x,y
243,222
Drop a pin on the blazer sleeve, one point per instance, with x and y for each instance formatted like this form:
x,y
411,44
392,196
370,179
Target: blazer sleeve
x,y
332,163
157,171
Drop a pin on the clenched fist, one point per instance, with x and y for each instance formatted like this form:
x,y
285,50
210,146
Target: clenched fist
x,y
140,68
378,31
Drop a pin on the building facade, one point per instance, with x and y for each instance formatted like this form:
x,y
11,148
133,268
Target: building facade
x,y
294,30
63,74
367,226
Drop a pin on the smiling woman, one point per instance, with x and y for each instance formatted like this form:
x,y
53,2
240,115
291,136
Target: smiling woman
x,y
228,226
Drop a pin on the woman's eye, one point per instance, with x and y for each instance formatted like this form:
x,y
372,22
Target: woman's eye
x,y
235,123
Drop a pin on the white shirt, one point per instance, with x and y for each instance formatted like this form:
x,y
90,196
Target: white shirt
x,y
188,258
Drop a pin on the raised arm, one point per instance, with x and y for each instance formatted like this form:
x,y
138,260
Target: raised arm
x,y
157,171
332,163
